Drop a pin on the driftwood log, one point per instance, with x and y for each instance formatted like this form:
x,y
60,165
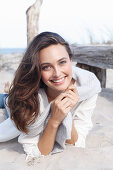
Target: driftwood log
x,y
33,20
94,58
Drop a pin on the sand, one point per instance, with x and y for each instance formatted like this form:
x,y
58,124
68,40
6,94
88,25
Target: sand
x,y
98,154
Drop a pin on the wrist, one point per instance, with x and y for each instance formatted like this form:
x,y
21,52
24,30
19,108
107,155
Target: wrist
x,y
53,123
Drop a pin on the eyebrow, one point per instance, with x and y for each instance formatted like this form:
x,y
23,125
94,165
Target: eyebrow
x,y
57,61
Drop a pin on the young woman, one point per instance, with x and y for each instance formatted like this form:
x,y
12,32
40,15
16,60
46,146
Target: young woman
x,y
50,102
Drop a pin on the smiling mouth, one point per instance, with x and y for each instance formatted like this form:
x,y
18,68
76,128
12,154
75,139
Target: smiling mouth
x,y
59,81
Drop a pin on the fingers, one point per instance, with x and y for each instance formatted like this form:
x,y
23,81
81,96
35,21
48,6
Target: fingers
x,y
72,92
62,103
65,103
69,97
72,88
60,108
61,96
72,95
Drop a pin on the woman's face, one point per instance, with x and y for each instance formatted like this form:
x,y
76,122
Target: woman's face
x,y
56,69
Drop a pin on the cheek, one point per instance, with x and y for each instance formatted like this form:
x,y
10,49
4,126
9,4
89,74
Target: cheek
x,y
68,69
45,76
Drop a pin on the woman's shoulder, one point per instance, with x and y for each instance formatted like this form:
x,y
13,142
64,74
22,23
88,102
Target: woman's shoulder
x,y
84,76
86,82
82,73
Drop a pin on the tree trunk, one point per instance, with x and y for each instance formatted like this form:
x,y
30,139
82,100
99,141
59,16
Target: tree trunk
x,y
32,20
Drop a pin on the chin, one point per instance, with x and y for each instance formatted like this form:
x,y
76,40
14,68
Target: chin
x,y
61,89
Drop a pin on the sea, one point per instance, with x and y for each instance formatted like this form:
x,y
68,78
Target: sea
x,y
11,50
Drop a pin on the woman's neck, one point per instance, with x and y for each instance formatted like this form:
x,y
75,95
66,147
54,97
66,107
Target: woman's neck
x,y
51,94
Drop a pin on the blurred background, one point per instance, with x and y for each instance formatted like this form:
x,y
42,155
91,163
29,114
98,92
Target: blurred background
x,y
78,21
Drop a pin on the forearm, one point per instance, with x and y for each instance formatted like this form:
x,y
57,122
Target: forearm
x,y
74,136
46,142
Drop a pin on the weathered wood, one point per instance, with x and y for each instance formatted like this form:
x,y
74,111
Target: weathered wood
x,y
100,73
97,56
32,20
95,59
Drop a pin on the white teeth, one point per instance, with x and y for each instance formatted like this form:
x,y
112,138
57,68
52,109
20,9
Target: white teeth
x,y
57,81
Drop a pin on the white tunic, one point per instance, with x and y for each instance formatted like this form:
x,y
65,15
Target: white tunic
x,y
88,88
82,122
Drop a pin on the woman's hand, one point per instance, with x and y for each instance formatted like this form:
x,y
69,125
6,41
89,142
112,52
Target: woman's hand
x,y
60,108
72,95
63,104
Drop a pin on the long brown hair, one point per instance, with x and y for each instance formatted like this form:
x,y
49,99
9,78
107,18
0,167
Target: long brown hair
x,y
23,99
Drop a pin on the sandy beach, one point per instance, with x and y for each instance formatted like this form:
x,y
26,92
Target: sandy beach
x,y
98,154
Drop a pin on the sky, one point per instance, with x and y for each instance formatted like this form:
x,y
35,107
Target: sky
x,y
77,21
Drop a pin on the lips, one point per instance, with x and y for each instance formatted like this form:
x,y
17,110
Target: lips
x,y
58,81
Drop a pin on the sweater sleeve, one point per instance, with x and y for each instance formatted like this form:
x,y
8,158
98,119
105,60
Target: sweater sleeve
x,y
82,119
30,145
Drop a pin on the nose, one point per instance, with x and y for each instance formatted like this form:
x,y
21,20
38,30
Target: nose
x,y
56,72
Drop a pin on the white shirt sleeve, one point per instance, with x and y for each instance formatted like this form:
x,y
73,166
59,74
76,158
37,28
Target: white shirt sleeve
x,y
82,119
30,145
